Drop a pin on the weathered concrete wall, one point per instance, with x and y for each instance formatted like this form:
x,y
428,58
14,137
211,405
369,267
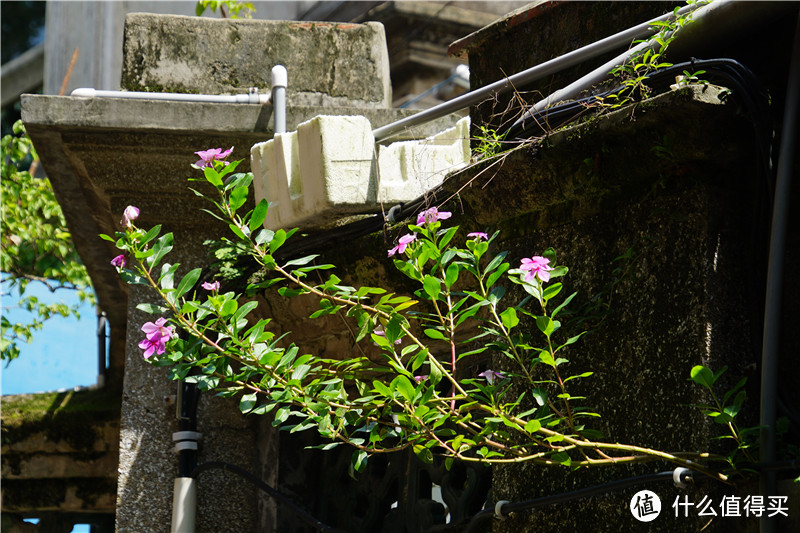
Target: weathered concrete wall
x,y
329,63
60,452
672,194
684,298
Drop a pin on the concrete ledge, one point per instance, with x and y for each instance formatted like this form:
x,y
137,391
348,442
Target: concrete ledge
x,y
333,63
60,451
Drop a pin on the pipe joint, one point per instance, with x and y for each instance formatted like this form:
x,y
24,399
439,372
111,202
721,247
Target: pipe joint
x,y
185,440
498,510
682,477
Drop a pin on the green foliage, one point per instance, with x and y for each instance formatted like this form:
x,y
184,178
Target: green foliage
x,y
227,8
633,74
35,245
490,143
409,397
725,410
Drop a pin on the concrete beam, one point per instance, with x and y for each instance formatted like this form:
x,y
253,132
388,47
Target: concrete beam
x,y
22,74
329,63
60,451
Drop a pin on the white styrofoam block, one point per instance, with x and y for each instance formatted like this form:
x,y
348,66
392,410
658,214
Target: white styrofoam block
x,y
336,162
329,168
408,169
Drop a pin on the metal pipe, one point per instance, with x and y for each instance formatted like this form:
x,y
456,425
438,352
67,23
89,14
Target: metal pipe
x,y
184,500
280,79
603,72
532,74
777,250
184,505
252,97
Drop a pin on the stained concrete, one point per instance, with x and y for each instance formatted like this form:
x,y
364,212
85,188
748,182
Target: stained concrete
x,y
329,63
102,155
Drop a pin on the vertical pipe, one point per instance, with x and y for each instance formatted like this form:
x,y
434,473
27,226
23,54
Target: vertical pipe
x,y
280,80
184,505
772,305
184,498
101,348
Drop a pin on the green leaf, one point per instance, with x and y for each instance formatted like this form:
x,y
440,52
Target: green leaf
x,y
161,247
494,276
151,309
424,454
532,426
563,304
188,282
359,460
213,177
551,291
238,198
435,334
277,240
432,287
228,308
451,274
509,318
301,261
545,325
259,214
403,385
702,376
236,231
243,310
150,235
248,402
562,457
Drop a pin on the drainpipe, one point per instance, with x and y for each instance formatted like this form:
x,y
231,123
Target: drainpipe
x,y
101,348
184,499
772,305
280,80
608,44
252,96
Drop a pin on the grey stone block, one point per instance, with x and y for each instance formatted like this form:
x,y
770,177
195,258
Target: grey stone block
x,y
328,63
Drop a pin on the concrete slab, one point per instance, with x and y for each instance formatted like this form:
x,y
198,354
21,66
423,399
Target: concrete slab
x,y
330,63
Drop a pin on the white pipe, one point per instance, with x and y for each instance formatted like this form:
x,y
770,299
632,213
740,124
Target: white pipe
x,y
532,74
184,505
280,79
252,97
602,72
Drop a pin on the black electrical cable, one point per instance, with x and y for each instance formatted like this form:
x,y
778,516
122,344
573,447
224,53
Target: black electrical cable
x,y
302,513
508,508
684,476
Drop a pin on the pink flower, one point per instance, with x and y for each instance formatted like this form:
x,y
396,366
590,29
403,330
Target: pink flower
x,y
478,235
431,215
130,214
207,157
491,375
118,261
156,337
211,286
420,379
405,240
536,266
